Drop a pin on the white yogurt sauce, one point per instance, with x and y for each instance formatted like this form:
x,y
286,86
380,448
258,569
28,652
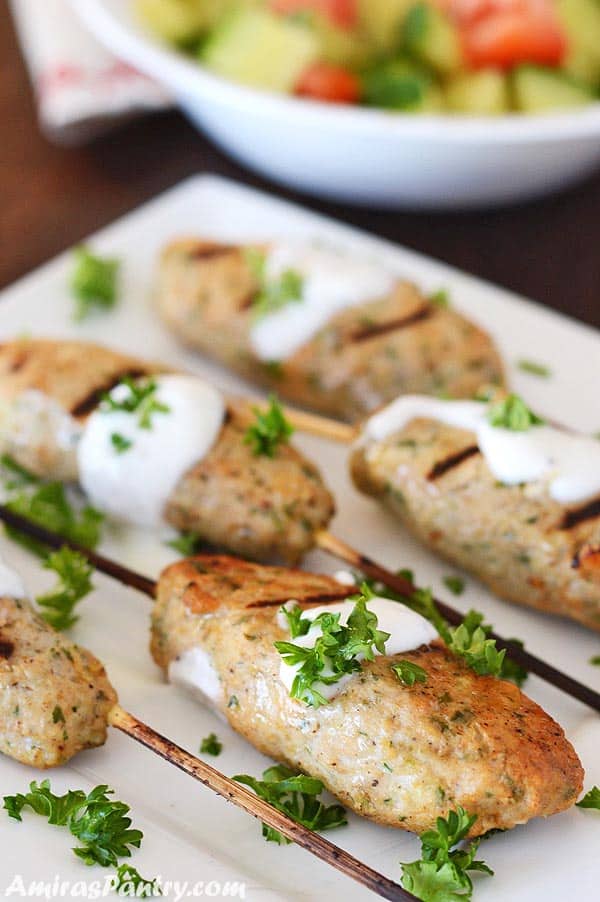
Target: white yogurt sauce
x,y
194,671
11,585
567,461
332,281
408,630
133,486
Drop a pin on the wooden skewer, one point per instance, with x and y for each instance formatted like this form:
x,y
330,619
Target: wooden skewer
x,y
246,800
311,423
339,549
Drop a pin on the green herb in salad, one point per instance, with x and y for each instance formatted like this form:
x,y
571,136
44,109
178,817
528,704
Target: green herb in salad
x,y
101,825
442,872
93,281
297,796
74,583
269,430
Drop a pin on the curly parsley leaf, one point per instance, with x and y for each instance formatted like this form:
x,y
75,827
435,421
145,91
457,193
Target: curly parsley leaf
x,y
337,651
74,583
120,443
409,673
140,399
100,824
470,641
512,413
270,429
297,624
273,293
47,504
186,543
211,745
93,281
455,584
129,882
591,799
297,796
441,875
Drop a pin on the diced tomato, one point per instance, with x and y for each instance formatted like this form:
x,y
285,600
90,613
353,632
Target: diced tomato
x,y
324,81
505,39
342,13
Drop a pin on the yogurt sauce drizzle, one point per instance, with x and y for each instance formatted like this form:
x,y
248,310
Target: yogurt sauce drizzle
x,y
567,461
11,585
194,671
135,485
332,281
408,630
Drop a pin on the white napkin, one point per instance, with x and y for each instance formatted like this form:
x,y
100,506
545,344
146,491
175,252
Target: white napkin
x,y
80,88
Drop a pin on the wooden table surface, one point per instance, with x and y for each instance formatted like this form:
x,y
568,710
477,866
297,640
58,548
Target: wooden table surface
x,y
51,197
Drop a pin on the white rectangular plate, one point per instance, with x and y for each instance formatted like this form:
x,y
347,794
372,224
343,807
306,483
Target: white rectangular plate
x,y
190,834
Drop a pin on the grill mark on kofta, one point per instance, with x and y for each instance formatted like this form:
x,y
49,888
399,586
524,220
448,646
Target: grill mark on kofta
x,y
210,251
392,325
314,599
452,461
588,511
89,403
6,648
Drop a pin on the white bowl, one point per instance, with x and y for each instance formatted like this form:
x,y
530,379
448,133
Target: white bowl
x,y
362,156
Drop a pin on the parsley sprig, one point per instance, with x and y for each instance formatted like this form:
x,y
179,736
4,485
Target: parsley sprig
x,y
100,824
273,294
591,799
47,504
409,673
93,281
297,796
129,882
186,543
269,430
211,745
74,583
337,651
512,413
441,874
141,400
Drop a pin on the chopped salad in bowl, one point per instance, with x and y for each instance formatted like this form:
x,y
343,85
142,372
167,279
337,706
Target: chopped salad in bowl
x,y
477,57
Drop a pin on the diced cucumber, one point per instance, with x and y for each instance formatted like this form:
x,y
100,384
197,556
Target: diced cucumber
x,y
538,90
581,20
401,85
382,21
180,21
483,93
342,46
429,36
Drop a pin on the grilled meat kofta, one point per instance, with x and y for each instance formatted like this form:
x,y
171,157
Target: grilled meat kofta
x,y
54,695
324,330
174,452
496,491
395,753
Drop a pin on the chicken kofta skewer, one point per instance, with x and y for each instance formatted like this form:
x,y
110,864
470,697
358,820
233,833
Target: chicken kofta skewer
x,y
325,330
216,627
164,447
495,490
56,701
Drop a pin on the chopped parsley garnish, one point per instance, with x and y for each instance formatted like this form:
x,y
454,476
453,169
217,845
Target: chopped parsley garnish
x,y
57,715
101,825
140,400
535,369
93,281
409,673
441,874
187,543
74,583
512,413
269,430
470,641
211,745
128,882
337,651
440,298
456,584
120,443
591,799
297,796
47,504
273,294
